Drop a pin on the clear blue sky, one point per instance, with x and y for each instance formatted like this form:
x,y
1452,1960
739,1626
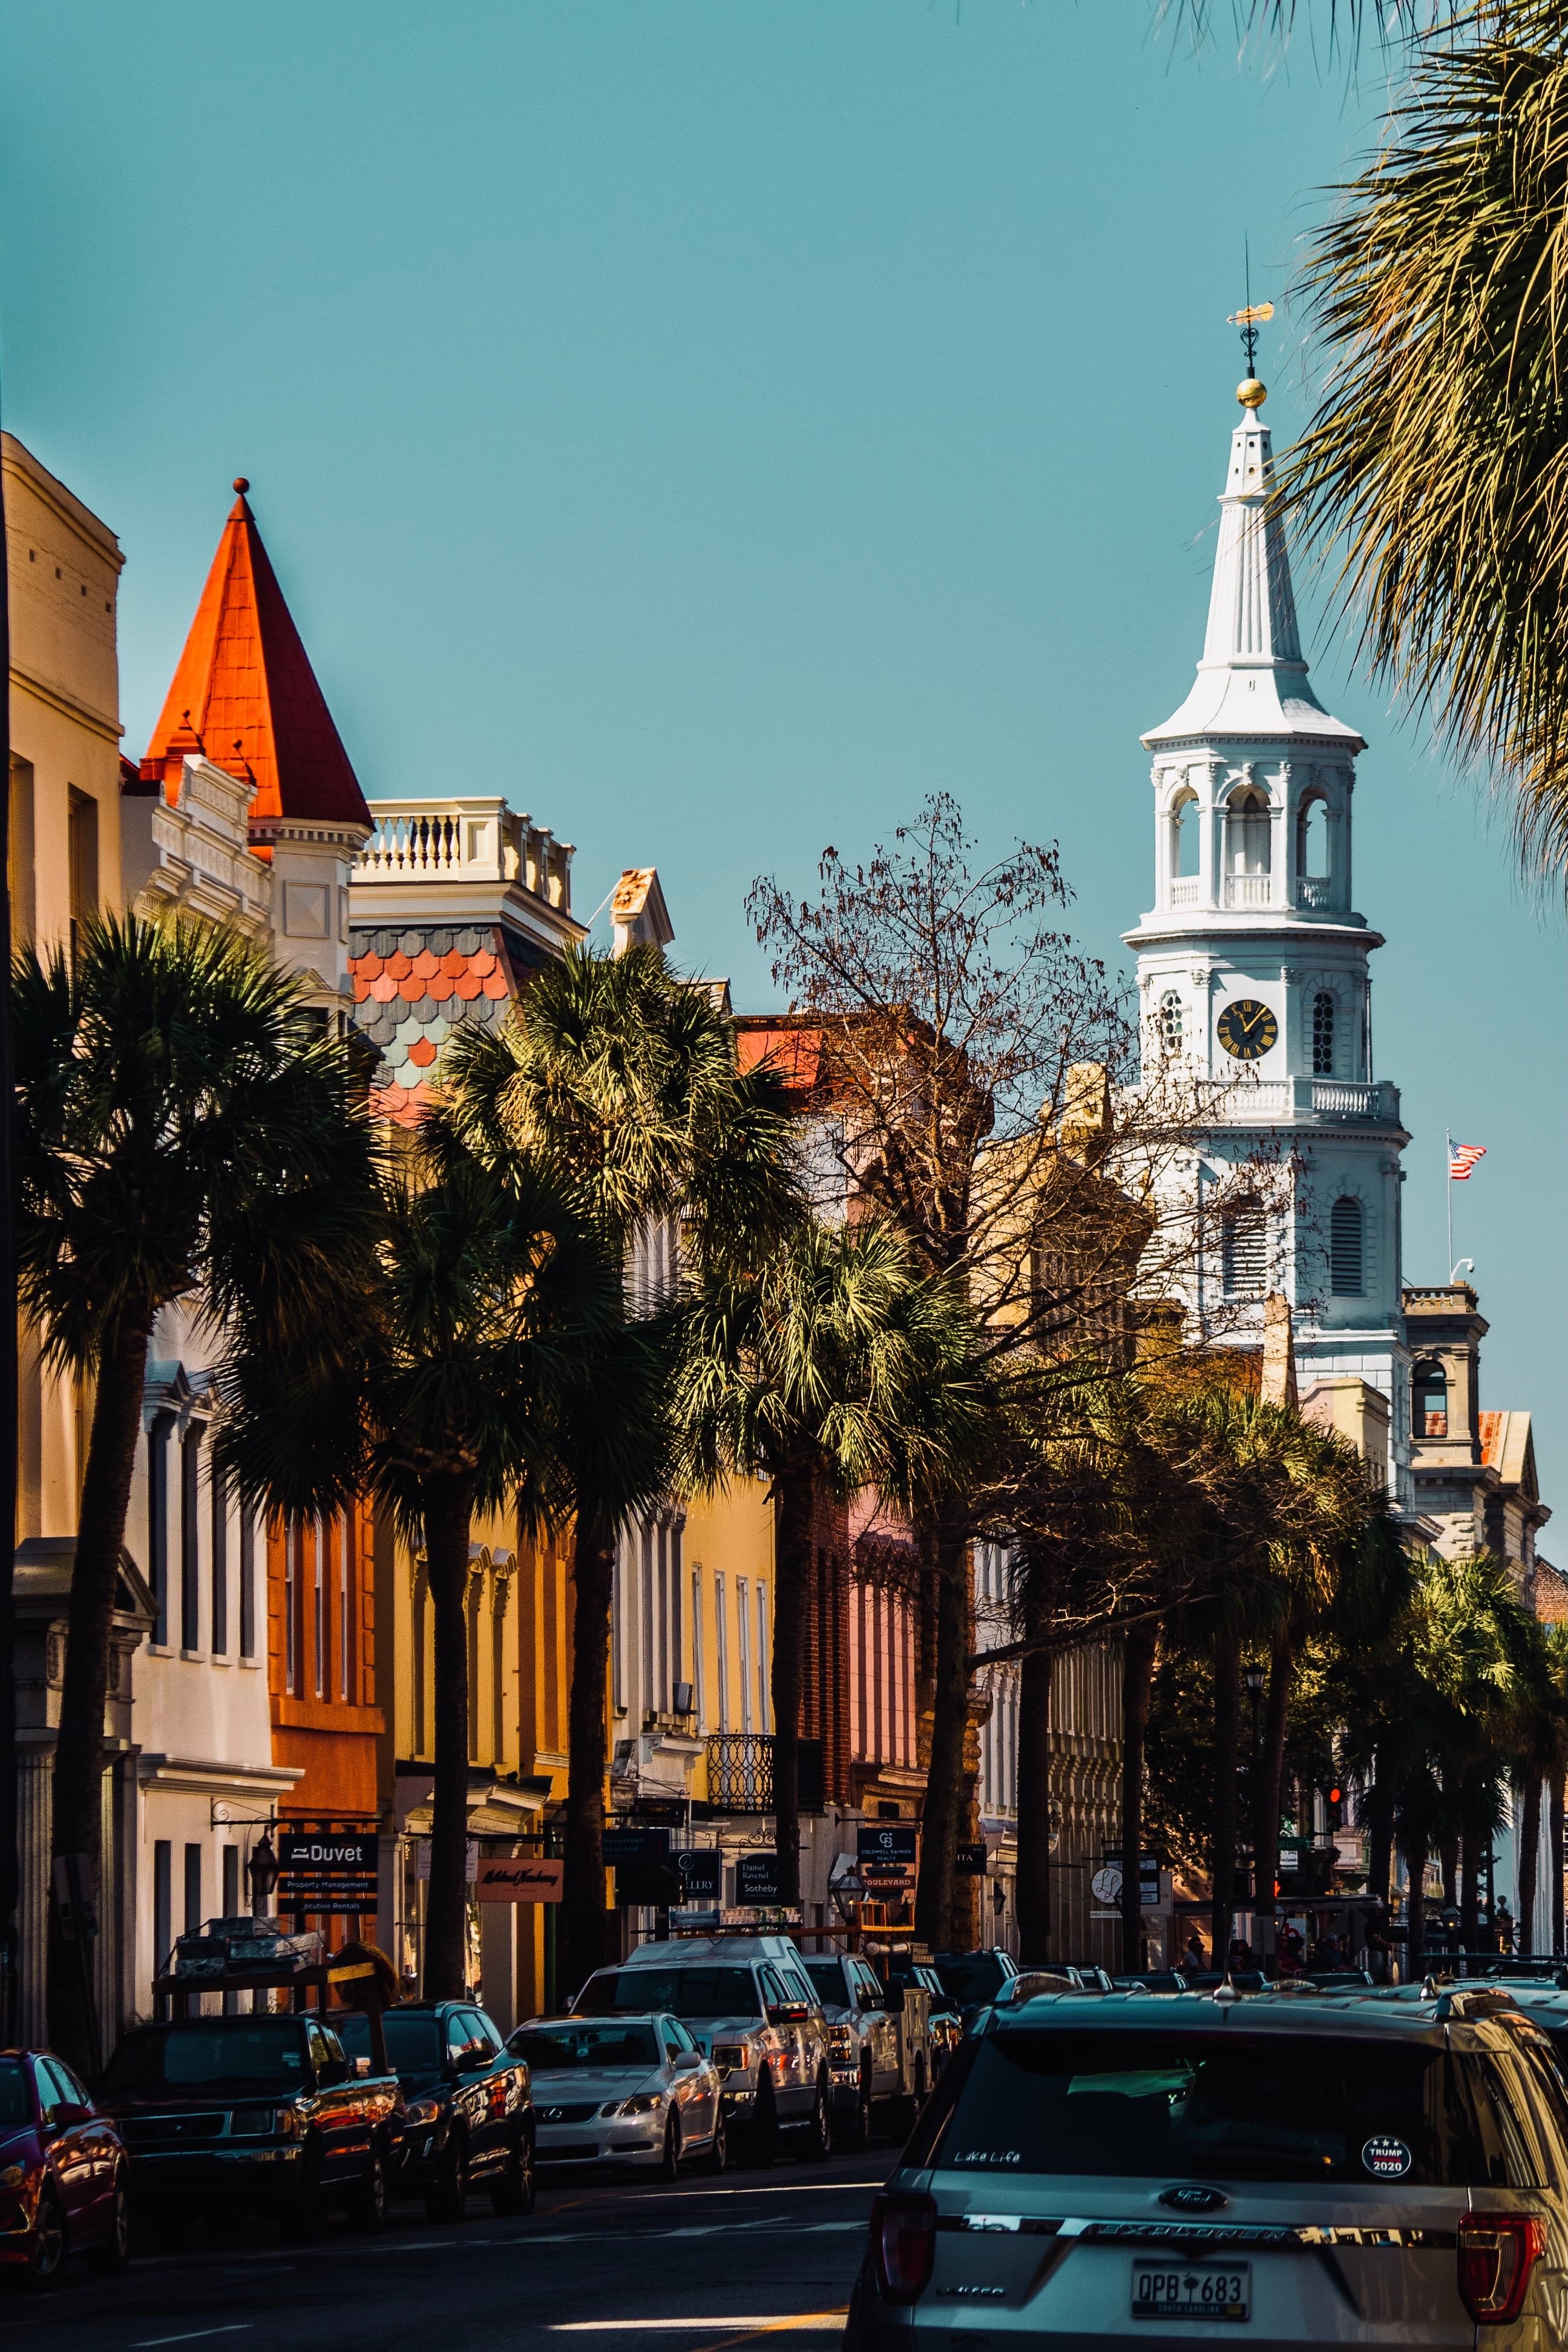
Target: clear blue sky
x,y
716,423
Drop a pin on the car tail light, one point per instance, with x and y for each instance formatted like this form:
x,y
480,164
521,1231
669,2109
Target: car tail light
x,y
1497,2253
903,2243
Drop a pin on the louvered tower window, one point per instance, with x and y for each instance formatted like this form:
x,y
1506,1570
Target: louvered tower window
x,y
1171,1021
1244,1249
1323,1034
1345,1276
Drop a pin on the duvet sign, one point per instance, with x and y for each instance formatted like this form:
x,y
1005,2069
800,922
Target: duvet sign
x,y
326,1870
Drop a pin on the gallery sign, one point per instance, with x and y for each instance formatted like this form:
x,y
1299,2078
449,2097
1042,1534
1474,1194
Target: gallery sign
x,y
525,1878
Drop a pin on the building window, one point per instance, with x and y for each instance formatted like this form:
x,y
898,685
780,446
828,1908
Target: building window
x,y
699,1680
157,1524
1345,1249
1170,1021
721,1631
246,1585
1185,822
764,1696
190,1537
1312,841
743,1649
1247,832
323,1554
193,1889
19,863
220,1601
1430,1382
345,1641
162,1916
1244,1248
1323,1034
81,849
291,1605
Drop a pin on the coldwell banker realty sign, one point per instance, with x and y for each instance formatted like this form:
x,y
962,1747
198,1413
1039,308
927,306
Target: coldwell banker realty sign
x,y
326,1870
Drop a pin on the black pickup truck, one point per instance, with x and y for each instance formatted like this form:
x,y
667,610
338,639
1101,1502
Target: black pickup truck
x,y
224,2113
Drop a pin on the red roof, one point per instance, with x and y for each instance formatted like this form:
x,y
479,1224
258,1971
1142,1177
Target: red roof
x,y
246,695
792,1048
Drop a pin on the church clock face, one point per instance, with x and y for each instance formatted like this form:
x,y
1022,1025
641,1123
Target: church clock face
x,y
1247,1028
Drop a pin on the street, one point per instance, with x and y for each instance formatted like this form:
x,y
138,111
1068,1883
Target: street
x,y
705,2265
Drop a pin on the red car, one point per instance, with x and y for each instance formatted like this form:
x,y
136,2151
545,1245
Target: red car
x,y
63,2174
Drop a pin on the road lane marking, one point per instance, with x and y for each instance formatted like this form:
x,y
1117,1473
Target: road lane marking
x,y
242,2328
771,2323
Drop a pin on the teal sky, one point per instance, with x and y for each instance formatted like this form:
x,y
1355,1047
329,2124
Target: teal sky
x,y
717,423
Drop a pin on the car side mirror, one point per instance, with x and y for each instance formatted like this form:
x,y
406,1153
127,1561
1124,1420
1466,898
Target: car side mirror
x,y
66,2111
684,2060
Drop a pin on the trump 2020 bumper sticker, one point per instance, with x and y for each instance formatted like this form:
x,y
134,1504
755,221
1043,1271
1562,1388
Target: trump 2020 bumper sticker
x,y
1386,2159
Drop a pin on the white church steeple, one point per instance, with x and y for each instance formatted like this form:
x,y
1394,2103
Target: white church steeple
x,y
1254,979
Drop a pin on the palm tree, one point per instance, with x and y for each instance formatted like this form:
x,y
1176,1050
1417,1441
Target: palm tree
x,y
1434,470
181,1133
840,1365
625,1079
444,1395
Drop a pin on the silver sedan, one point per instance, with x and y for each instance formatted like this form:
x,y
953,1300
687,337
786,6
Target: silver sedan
x,y
628,2091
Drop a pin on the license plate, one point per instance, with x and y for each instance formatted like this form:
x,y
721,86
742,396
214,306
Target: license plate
x,y
1192,2290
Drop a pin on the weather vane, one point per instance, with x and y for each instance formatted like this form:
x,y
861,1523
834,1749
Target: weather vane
x,y
1250,392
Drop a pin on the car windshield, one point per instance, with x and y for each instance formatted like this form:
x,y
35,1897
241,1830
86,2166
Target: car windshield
x,y
558,2048
684,1992
13,2106
413,2042
269,2053
828,1976
1225,2106
969,1977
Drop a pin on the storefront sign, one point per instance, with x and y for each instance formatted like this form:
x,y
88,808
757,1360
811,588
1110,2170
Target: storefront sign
x,y
702,1874
524,1879
888,1842
325,1871
969,1861
757,1878
636,1844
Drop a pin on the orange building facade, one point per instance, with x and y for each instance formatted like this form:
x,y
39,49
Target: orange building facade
x,y
321,1663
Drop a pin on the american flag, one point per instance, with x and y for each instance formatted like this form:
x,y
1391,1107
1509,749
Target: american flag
x,y
1462,1158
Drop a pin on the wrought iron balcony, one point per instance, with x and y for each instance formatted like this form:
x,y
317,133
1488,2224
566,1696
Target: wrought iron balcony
x,y
740,1771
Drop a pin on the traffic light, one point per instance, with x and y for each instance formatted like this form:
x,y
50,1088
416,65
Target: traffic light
x,y
1334,1803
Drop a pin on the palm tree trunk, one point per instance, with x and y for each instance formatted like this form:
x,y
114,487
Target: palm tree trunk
x,y
1227,1730
1469,1880
1137,1676
1450,1851
78,1786
1380,1835
448,1511
1034,1798
1559,1792
582,1892
945,1776
796,1491
1265,1796
1529,1860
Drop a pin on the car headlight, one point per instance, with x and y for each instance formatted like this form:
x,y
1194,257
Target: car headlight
x,y
840,2043
727,2054
12,2176
425,2111
646,2103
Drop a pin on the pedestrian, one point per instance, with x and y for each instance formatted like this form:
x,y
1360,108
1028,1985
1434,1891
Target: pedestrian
x,y
1195,1957
1504,1926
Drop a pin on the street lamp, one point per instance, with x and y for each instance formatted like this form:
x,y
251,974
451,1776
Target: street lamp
x,y
264,1872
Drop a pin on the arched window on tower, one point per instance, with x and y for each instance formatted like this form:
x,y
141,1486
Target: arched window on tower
x,y
1345,1269
1247,830
1323,1034
1185,821
1170,1021
1429,1387
1312,840
1244,1248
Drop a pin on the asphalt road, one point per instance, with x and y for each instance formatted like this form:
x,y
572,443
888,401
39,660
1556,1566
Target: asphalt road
x,y
597,2267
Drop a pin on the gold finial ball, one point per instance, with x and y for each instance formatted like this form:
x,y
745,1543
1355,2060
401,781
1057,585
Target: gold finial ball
x,y
1250,392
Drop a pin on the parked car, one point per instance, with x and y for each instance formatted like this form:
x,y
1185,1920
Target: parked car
x,y
879,2044
1289,2169
899,1973
469,2118
972,1980
752,2009
64,2184
220,2113
624,2091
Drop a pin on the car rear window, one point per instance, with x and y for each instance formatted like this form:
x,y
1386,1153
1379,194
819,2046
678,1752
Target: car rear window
x,y
414,2044
554,2049
1224,2105
971,1977
270,2053
684,1992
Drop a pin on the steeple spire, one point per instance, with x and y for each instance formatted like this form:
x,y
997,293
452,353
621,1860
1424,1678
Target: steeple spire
x,y
1252,679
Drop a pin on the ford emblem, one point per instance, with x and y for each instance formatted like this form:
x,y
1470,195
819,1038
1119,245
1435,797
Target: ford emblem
x,y
1193,2197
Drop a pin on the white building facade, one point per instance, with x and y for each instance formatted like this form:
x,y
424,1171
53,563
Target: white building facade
x,y
1254,979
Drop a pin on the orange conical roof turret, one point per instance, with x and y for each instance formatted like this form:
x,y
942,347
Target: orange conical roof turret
x,y
245,696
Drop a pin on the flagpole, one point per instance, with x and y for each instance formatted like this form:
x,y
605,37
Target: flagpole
x,y
1448,1173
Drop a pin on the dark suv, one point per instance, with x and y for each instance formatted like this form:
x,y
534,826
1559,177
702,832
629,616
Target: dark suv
x,y
469,2111
1291,2170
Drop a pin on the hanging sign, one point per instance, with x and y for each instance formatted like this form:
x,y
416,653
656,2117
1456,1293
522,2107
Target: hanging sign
x,y
325,1871
757,1878
523,1879
702,1874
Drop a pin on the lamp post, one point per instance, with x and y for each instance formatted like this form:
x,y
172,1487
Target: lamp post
x,y
263,1871
1254,1677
